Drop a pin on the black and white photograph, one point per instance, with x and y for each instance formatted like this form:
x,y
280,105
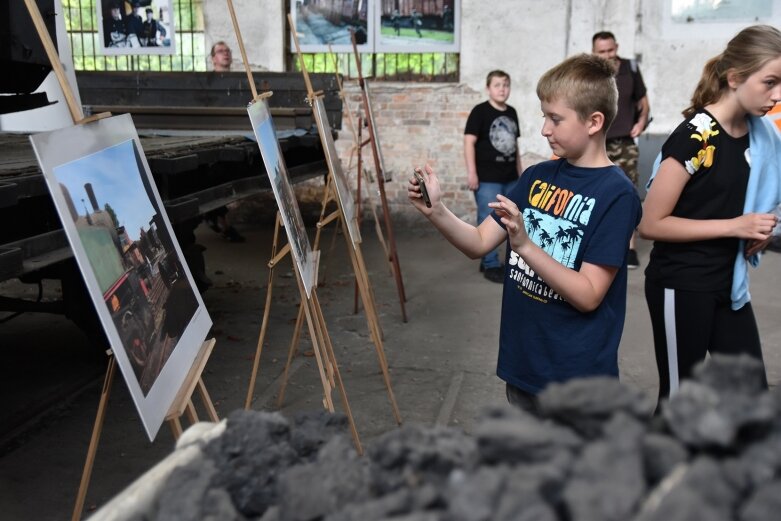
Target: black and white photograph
x,y
131,262
136,27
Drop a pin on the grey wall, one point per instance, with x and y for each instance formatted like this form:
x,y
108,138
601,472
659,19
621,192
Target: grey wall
x,y
526,37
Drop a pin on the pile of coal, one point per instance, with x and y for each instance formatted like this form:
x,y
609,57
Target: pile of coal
x,y
595,451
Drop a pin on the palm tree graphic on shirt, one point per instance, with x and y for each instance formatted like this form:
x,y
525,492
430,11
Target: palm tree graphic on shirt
x,y
559,237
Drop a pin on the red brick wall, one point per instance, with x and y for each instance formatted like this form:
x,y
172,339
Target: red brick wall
x,y
416,124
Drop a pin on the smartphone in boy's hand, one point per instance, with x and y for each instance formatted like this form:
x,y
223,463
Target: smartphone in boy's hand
x,y
422,183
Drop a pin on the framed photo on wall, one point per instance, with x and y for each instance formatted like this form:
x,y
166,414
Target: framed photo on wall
x,y
417,26
265,134
320,23
135,27
133,267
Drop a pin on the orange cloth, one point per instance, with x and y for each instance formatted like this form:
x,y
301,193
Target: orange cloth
x,y
775,115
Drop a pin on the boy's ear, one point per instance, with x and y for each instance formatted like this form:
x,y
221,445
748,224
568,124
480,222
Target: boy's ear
x,y
595,123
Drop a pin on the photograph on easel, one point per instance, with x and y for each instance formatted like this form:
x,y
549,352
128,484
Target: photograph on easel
x,y
135,27
341,183
320,23
265,134
417,26
132,265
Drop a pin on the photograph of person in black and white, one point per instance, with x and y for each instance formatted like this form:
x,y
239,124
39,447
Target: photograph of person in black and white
x,y
135,24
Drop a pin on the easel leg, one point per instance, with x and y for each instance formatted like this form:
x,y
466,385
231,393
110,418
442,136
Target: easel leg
x,y
394,255
211,412
183,402
370,291
374,325
93,442
291,353
176,427
264,325
323,206
317,310
261,340
192,415
358,215
317,345
322,340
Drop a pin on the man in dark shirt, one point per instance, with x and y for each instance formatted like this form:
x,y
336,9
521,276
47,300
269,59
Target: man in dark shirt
x,y
631,119
151,28
222,59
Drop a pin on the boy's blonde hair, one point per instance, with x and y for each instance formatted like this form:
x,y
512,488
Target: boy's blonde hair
x,y
586,83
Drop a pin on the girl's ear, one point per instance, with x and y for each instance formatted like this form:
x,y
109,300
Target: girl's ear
x,y
732,79
595,123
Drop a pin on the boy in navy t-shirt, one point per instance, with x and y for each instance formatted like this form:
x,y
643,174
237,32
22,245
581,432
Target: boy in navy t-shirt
x,y
567,223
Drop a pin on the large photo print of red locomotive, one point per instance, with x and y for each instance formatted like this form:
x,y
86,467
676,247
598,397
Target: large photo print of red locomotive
x,y
131,253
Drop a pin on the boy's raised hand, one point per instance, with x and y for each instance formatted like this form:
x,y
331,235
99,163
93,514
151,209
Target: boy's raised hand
x,y
511,217
432,187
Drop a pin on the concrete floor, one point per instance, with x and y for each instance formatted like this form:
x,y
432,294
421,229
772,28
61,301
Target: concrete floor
x,y
442,361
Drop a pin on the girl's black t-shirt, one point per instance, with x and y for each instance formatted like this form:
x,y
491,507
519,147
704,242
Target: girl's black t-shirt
x,y
719,167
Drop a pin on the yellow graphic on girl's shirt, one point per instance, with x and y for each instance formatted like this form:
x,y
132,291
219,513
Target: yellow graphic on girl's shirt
x,y
704,158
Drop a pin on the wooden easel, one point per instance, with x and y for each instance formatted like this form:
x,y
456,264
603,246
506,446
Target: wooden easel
x,y
353,245
367,298
355,152
393,255
328,369
183,402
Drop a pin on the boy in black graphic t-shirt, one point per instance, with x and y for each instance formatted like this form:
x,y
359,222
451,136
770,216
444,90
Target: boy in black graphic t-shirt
x,y
493,161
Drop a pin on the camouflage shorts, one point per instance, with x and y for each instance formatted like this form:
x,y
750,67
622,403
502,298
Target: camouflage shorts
x,y
623,152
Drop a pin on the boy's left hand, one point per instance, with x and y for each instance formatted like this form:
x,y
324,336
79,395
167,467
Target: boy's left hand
x,y
511,217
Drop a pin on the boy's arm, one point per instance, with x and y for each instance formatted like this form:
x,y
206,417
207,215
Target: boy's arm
x,y
470,140
584,289
473,241
518,164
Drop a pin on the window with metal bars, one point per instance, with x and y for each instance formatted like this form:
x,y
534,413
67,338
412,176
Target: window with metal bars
x,y
192,55
383,66
81,22
422,67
